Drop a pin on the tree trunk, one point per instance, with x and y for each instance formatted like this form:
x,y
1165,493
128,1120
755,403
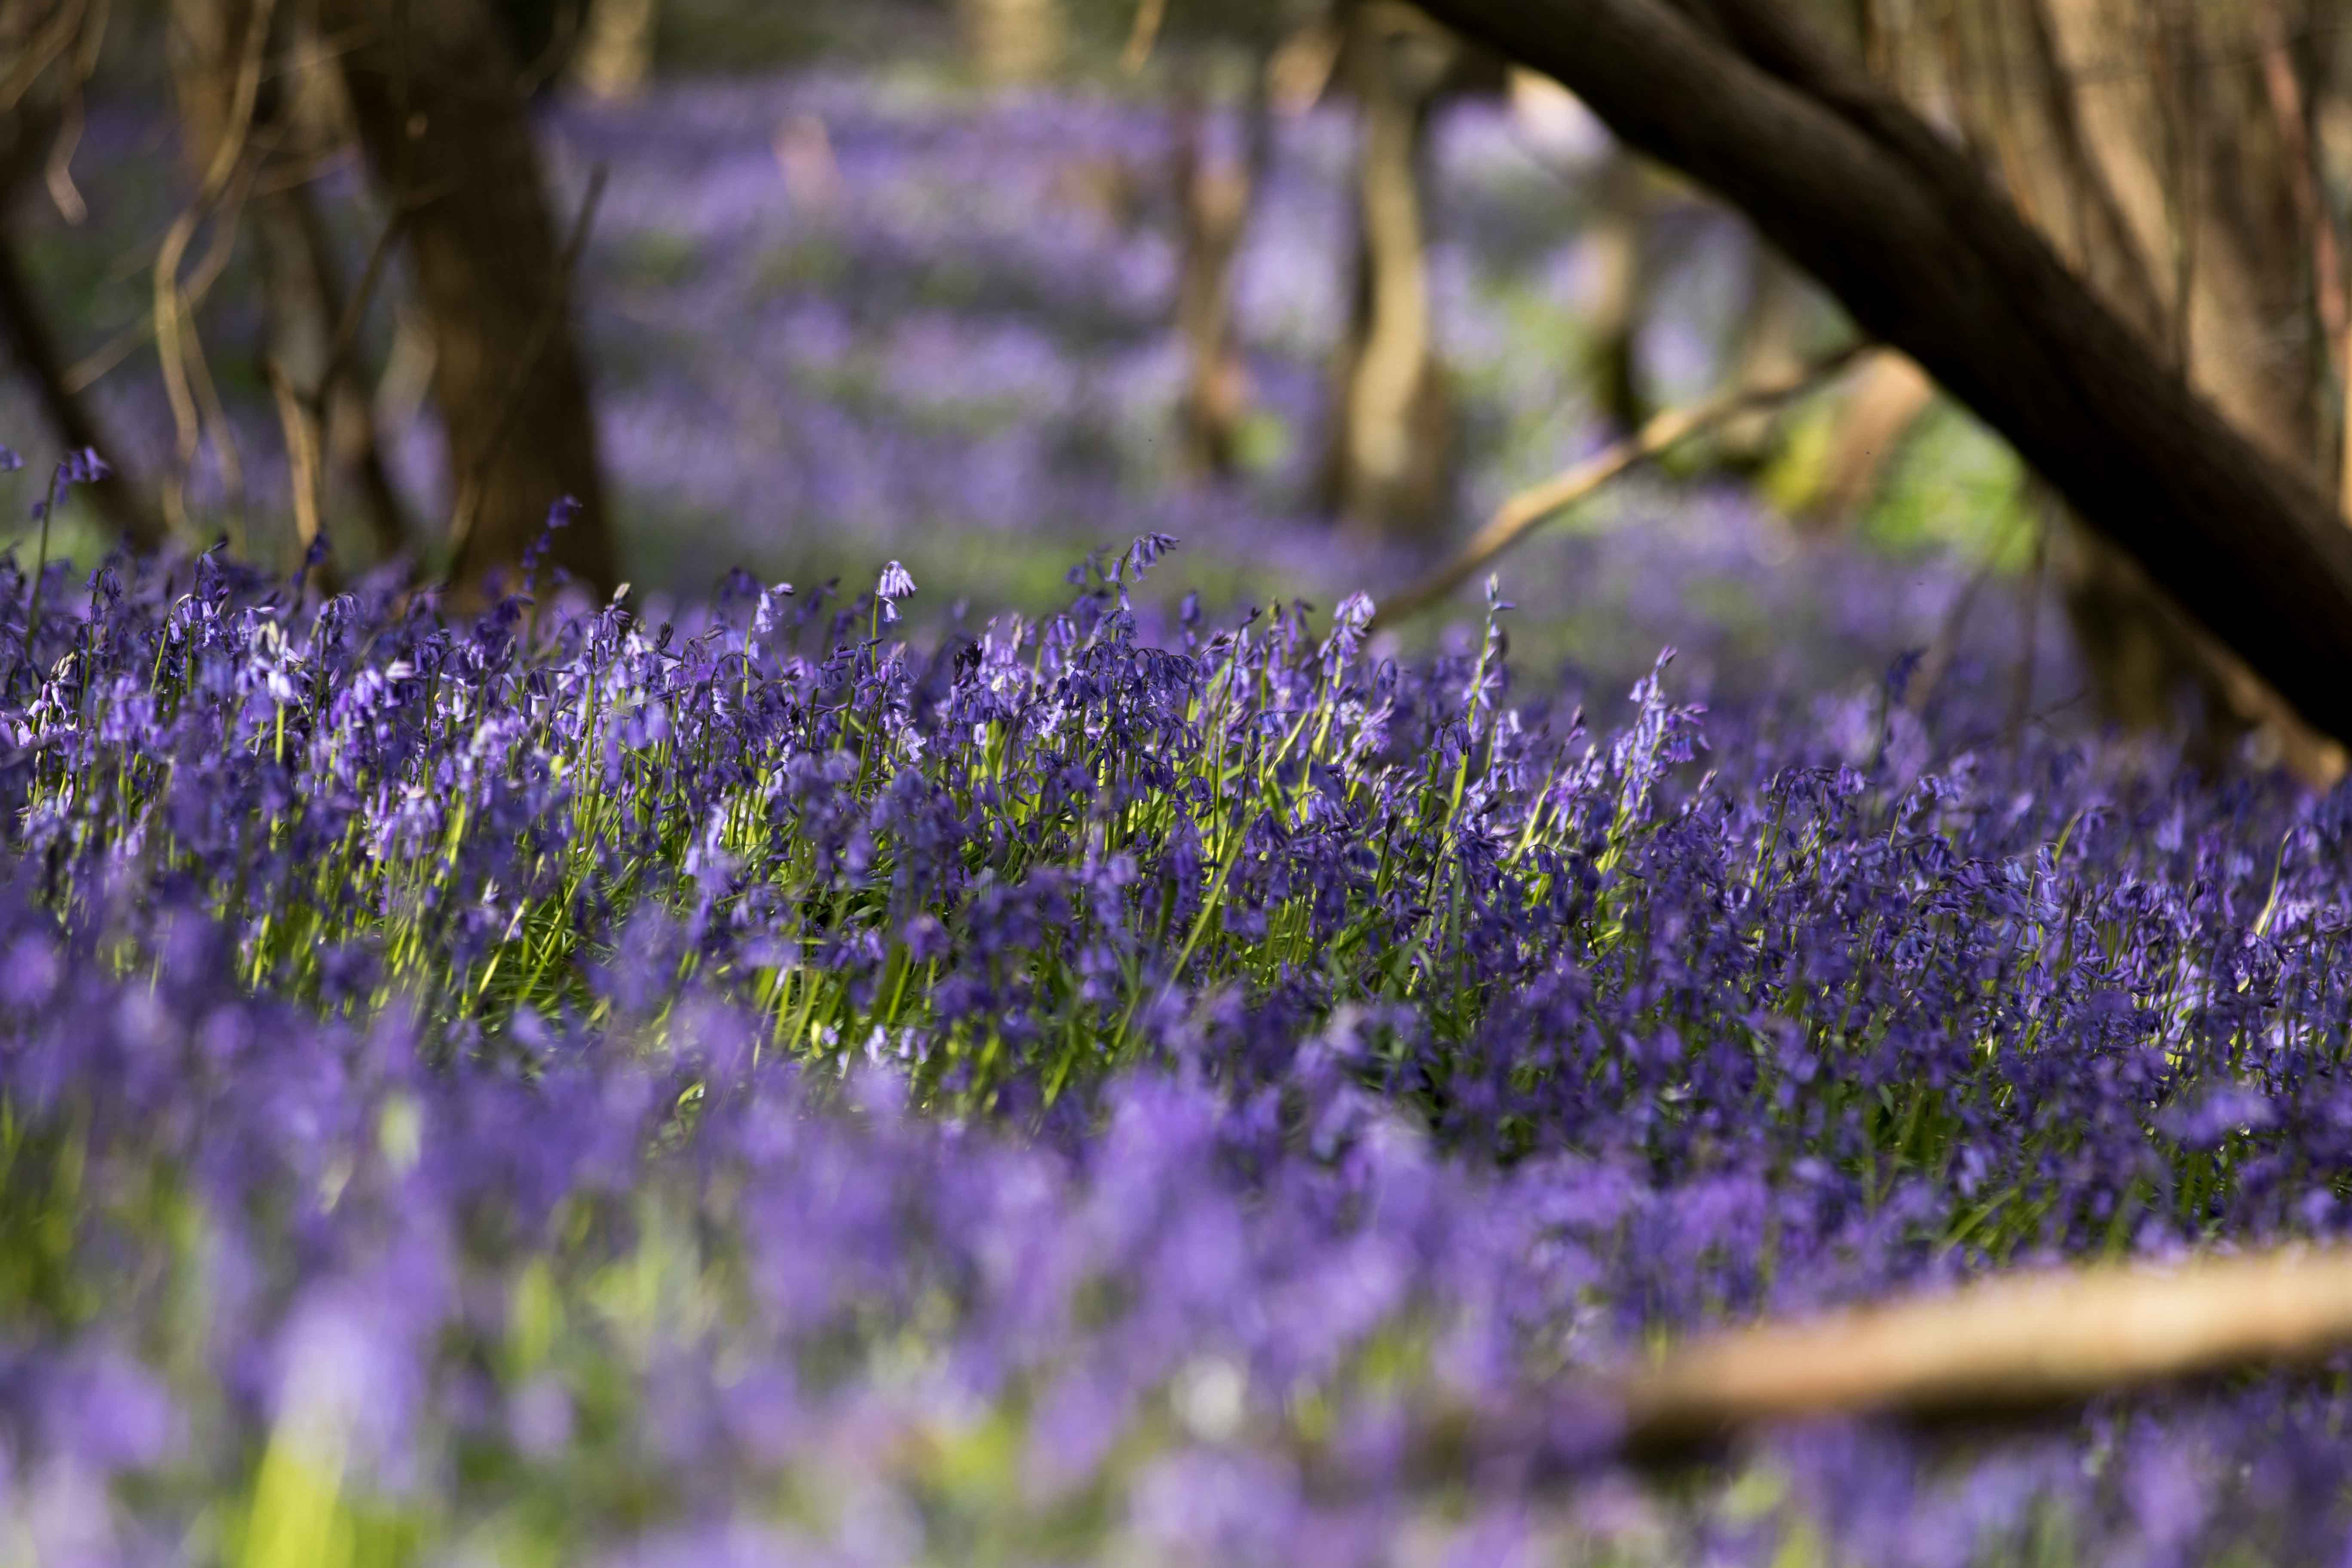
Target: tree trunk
x,y
1617,235
1769,351
25,330
617,49
439,112
1213,197
1391,466
1924,254
1013,41
2171,194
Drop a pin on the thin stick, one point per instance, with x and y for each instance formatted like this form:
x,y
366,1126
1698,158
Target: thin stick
x,y
47,44
1518,516
2016,1346
2013,1344
87,371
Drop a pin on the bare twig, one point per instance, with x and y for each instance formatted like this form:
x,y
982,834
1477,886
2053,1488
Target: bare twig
x,y
1521,513
1937,661
57,173
2014,1347
93,367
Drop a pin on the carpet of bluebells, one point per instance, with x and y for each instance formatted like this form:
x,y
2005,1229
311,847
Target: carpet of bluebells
x,y
551,1086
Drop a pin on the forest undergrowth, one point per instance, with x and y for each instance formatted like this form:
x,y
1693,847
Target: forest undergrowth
x,y
542,1086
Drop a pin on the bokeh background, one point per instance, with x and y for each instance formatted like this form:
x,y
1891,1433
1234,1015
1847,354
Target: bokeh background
x,y
911,279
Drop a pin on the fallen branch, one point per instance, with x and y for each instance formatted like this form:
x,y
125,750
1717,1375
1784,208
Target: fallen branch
x,y
2014,1347
1519,515
2008,1345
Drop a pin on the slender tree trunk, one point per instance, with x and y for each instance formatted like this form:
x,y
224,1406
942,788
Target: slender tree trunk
x,y
1214,196
1769,351
1617,235
616,48
1013,40
1391,465
436,103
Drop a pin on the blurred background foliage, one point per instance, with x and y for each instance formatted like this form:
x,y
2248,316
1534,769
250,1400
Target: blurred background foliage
x,y
989,283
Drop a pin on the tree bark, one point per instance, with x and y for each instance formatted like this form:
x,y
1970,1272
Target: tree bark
x,y
1924,254
2173,195
440,114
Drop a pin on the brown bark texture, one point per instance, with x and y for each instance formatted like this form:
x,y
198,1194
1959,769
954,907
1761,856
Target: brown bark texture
x,y
440,114
2144,139
1922,251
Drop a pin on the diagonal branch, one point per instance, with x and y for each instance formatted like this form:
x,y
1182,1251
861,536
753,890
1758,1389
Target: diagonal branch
x,y
1925,255
2016,1346
1522,513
